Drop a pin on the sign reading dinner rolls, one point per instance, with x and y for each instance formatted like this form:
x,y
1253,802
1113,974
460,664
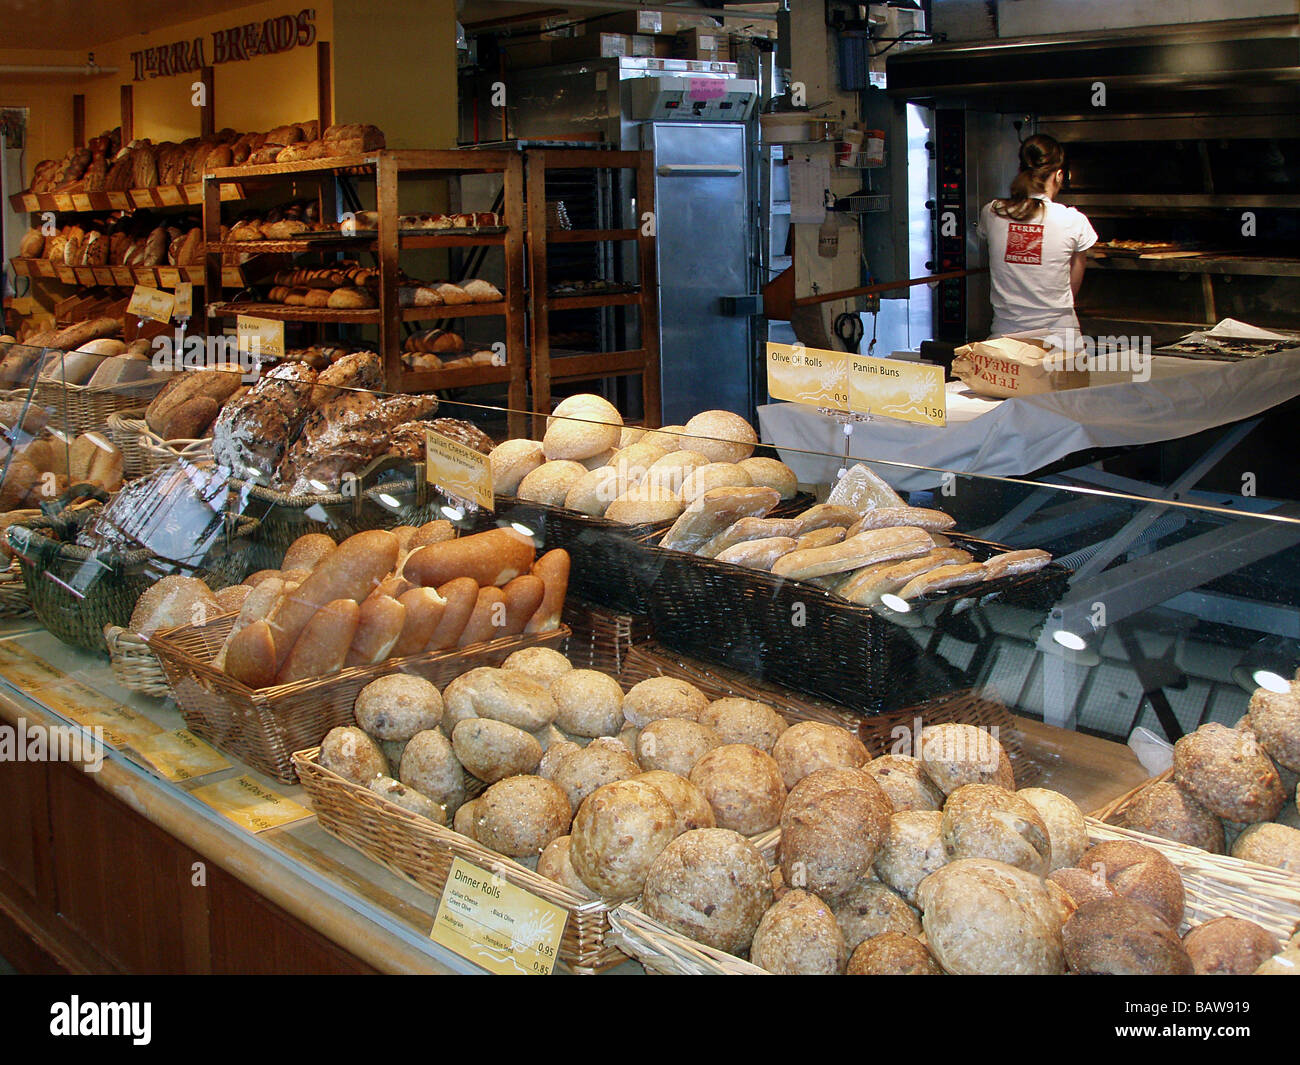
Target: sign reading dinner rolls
x,y
458,470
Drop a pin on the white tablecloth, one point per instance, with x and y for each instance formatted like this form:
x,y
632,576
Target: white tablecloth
x,y
1013,437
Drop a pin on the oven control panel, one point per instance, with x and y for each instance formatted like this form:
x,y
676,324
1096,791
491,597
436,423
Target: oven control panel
x,y
950,221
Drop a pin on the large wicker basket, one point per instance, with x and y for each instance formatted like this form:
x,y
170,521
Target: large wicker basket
x,y
144,451
15,600
81,409
264,726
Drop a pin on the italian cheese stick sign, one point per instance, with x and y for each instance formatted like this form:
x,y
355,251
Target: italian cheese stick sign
x,y
810,376
152,303
458,470
891,388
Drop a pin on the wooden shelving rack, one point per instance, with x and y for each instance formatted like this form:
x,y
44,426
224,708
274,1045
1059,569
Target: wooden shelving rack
x,y
642,361
387,168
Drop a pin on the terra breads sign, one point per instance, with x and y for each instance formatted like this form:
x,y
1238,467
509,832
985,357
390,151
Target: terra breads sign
x,y
229,45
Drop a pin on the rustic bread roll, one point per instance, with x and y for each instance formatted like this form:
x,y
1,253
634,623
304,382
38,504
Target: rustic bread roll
x,y
581,427
912,850
1269,844
647,504
1229,946
758,554
1081,885
688,802
493,750
831,842
349,752
1139,873
713,475
772,473
588,703
721,436
811,745
671,469
798,936
541,664
1164,809
593,492
555,864
521,815
408,799
659,697
869,908
172,601
1275,719
986,917
674,745
551,482
1066,828
512,461
1287,963
953,755
618,832
1121,937
398,706
591,767
744,721
430,766
986,821
904,782
711,885
743,787
1227,773
463,821
892,954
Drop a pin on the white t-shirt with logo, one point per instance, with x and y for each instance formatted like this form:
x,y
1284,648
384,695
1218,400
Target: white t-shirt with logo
x,y
1029,264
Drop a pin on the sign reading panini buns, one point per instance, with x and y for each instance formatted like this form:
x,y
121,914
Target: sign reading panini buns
x,y
1006,367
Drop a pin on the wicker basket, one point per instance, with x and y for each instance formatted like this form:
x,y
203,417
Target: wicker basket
x,y
264,726
801,635
135,666
81,409
602,639
15,602
665,952
144,451
77,591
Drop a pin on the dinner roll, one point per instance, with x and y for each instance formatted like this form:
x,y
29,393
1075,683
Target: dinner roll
x,y
1122,937
721,436
173,601
744,721
553,756
595,765
953,754
912,850
582,426
588,703
1081,885
1275,719
798,936
555,864
668,438
870,908
1164,809
1269,844
669,472
659,697
493,750
986,821
713,475
619,830
510,696
648,503
398,706
1229,946
892,954
512,461
541,664
830,843
674,744
520,815
743,787
550,482
463,821
1227,773
408,799
812,745
458,696
1066,827
711,885
688,803
771,473
430,766
349,752
903,779
1140,873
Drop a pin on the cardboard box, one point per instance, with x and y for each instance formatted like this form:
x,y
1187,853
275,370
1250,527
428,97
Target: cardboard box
x,y
591,46
652,47
703,44
675,23
527,54
630,22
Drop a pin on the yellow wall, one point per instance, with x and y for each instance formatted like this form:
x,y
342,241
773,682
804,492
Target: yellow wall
x,y
49,97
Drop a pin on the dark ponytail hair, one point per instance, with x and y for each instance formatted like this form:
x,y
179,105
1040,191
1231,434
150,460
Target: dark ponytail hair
x,y
1040,157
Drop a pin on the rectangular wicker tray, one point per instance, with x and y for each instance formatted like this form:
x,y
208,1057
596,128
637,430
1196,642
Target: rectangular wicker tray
x,y
264,726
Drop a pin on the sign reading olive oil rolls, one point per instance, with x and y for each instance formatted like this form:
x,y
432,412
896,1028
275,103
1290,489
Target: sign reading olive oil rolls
x,y
457,469
891,388
810,376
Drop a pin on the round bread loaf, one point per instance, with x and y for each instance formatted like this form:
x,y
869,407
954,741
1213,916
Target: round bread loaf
x,y
1228,773
688,802
870,908
744,721
430,766
721,436
541,664
953,754
458,696
1081,885
520,815
711,885
772,473
674,744
555,864
398,706
892,954
493,750
823,782
986,821
634,461
1229,946
713,475
743,787
1269,844
349,752
903,779
619,830
582,426
830,843
1275,719
913,849
666,438
172,601
553,756
588,703
798,936
1164,809
463,821
512,461
812,745
630,435
1066,828
1135,871
592,493
512,697
646,504
668,473
1121,937
550,482
986,917
595,765
408,799
663,697
1287,963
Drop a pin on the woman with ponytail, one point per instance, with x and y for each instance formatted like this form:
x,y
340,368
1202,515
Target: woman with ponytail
x,y
1036,246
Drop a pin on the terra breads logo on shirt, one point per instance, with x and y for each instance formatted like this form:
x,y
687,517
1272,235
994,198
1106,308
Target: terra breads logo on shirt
x,y
1024,243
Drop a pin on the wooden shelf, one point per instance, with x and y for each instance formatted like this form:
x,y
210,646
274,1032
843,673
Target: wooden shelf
x,y
589,236
124,276
159,196
453,160
430,239
612,299
455,310
457,377
282,313
1241,265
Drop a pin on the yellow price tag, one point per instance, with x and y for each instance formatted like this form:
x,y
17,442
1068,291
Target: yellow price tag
x,y
458,470
151,303
123,727
171,195
66,274
169,275
194,192
809,376
119,201
184,307
25,670
261,336
142,197
231,277
122,275
81,202
487,920
891,388
30,202
63,201
181,755
103,275
250,805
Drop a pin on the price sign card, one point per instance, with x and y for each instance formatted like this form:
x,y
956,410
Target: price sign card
x,y
119,201
487,920
81,201
152,303
265,336
891,388
184,307
181,755
194,192
171,195
142,197
810,376
458,470
250,805
25,670
169,276
63,201
122,727
30,202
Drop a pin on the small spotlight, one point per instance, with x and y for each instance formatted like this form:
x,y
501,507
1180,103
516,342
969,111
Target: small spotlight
x,y
1069,640
522,529
1271,681
899,606
389,501
452,513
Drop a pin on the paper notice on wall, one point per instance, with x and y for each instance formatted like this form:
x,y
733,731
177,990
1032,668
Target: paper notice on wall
x,y
809,180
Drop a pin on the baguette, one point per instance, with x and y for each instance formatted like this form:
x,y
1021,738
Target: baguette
x,y
715,511
322,647
758,554
553,569
259,602
379,624
749,529
250,655
432,532
831,534
308,551
495,557
351,572
487,621
938,580
394,587
864,549
1014,563
523,596
827,515
868,585
889,517
424,609
461,595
